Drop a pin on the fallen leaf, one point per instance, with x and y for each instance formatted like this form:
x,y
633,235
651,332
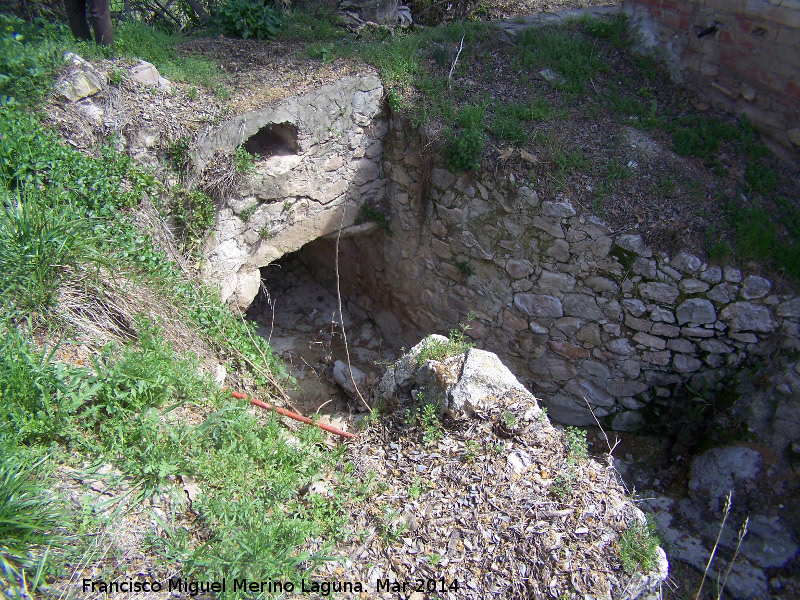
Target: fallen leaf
x,y
528,157
506,153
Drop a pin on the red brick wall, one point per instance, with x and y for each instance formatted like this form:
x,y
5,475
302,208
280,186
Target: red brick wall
x,y
749,65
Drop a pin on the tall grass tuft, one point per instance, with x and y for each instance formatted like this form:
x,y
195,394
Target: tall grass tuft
x,y
39,242
28,520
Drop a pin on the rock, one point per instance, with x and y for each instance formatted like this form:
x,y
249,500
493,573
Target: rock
x,y
620,346
686,263
645,268
638,324
581,305
567,350
662,329
552,76
746,316
623,387
553,369
529,196
682,345
732,275
588,390
768,544
568,410
720,470
568,325
518,269
549,226
633,306
482,377
80,81
559,250
557,281
719,293
712,275
659,292
602,285
693,286
715,346
348,378
596,369
442,179
629,420
696,310
147,74
560,210
631,367
406,368
635,244
651,341
790,308
537,305
590,333
435,379
755,287
662,314
686,364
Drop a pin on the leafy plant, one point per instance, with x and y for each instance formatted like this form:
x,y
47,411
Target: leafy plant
x,y
576,442
248,18
193,212
370,212
463,151
244,162
28,59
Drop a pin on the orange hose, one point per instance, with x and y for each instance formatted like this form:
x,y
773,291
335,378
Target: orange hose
x,y
293,415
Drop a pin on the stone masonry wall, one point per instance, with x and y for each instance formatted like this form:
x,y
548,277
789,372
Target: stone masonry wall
x,y
576,310
301,193
744,55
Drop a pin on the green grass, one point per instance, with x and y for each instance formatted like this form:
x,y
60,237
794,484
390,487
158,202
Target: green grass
x,y
564,51
637,547
433,349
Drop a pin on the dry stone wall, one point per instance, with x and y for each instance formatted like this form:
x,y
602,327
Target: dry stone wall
x,y
580,313
322,160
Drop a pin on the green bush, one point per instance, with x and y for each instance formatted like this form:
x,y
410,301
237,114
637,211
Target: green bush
x,y
248,18
463,149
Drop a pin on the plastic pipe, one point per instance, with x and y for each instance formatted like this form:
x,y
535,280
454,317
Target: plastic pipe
x,y
295,416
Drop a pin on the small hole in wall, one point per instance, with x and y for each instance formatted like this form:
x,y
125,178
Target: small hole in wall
x,y
275,139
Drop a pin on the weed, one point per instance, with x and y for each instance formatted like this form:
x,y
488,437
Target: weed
x,y
244,162
194,214
136,39
370,212
41,238
616,172
563,483
29,57
29,518
463,150
247,18
248,212
434,558
576,443
471,451
429,420
465,268
760,178
439,351
637,546
569,54
179,154
509,419
265,233
614,30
